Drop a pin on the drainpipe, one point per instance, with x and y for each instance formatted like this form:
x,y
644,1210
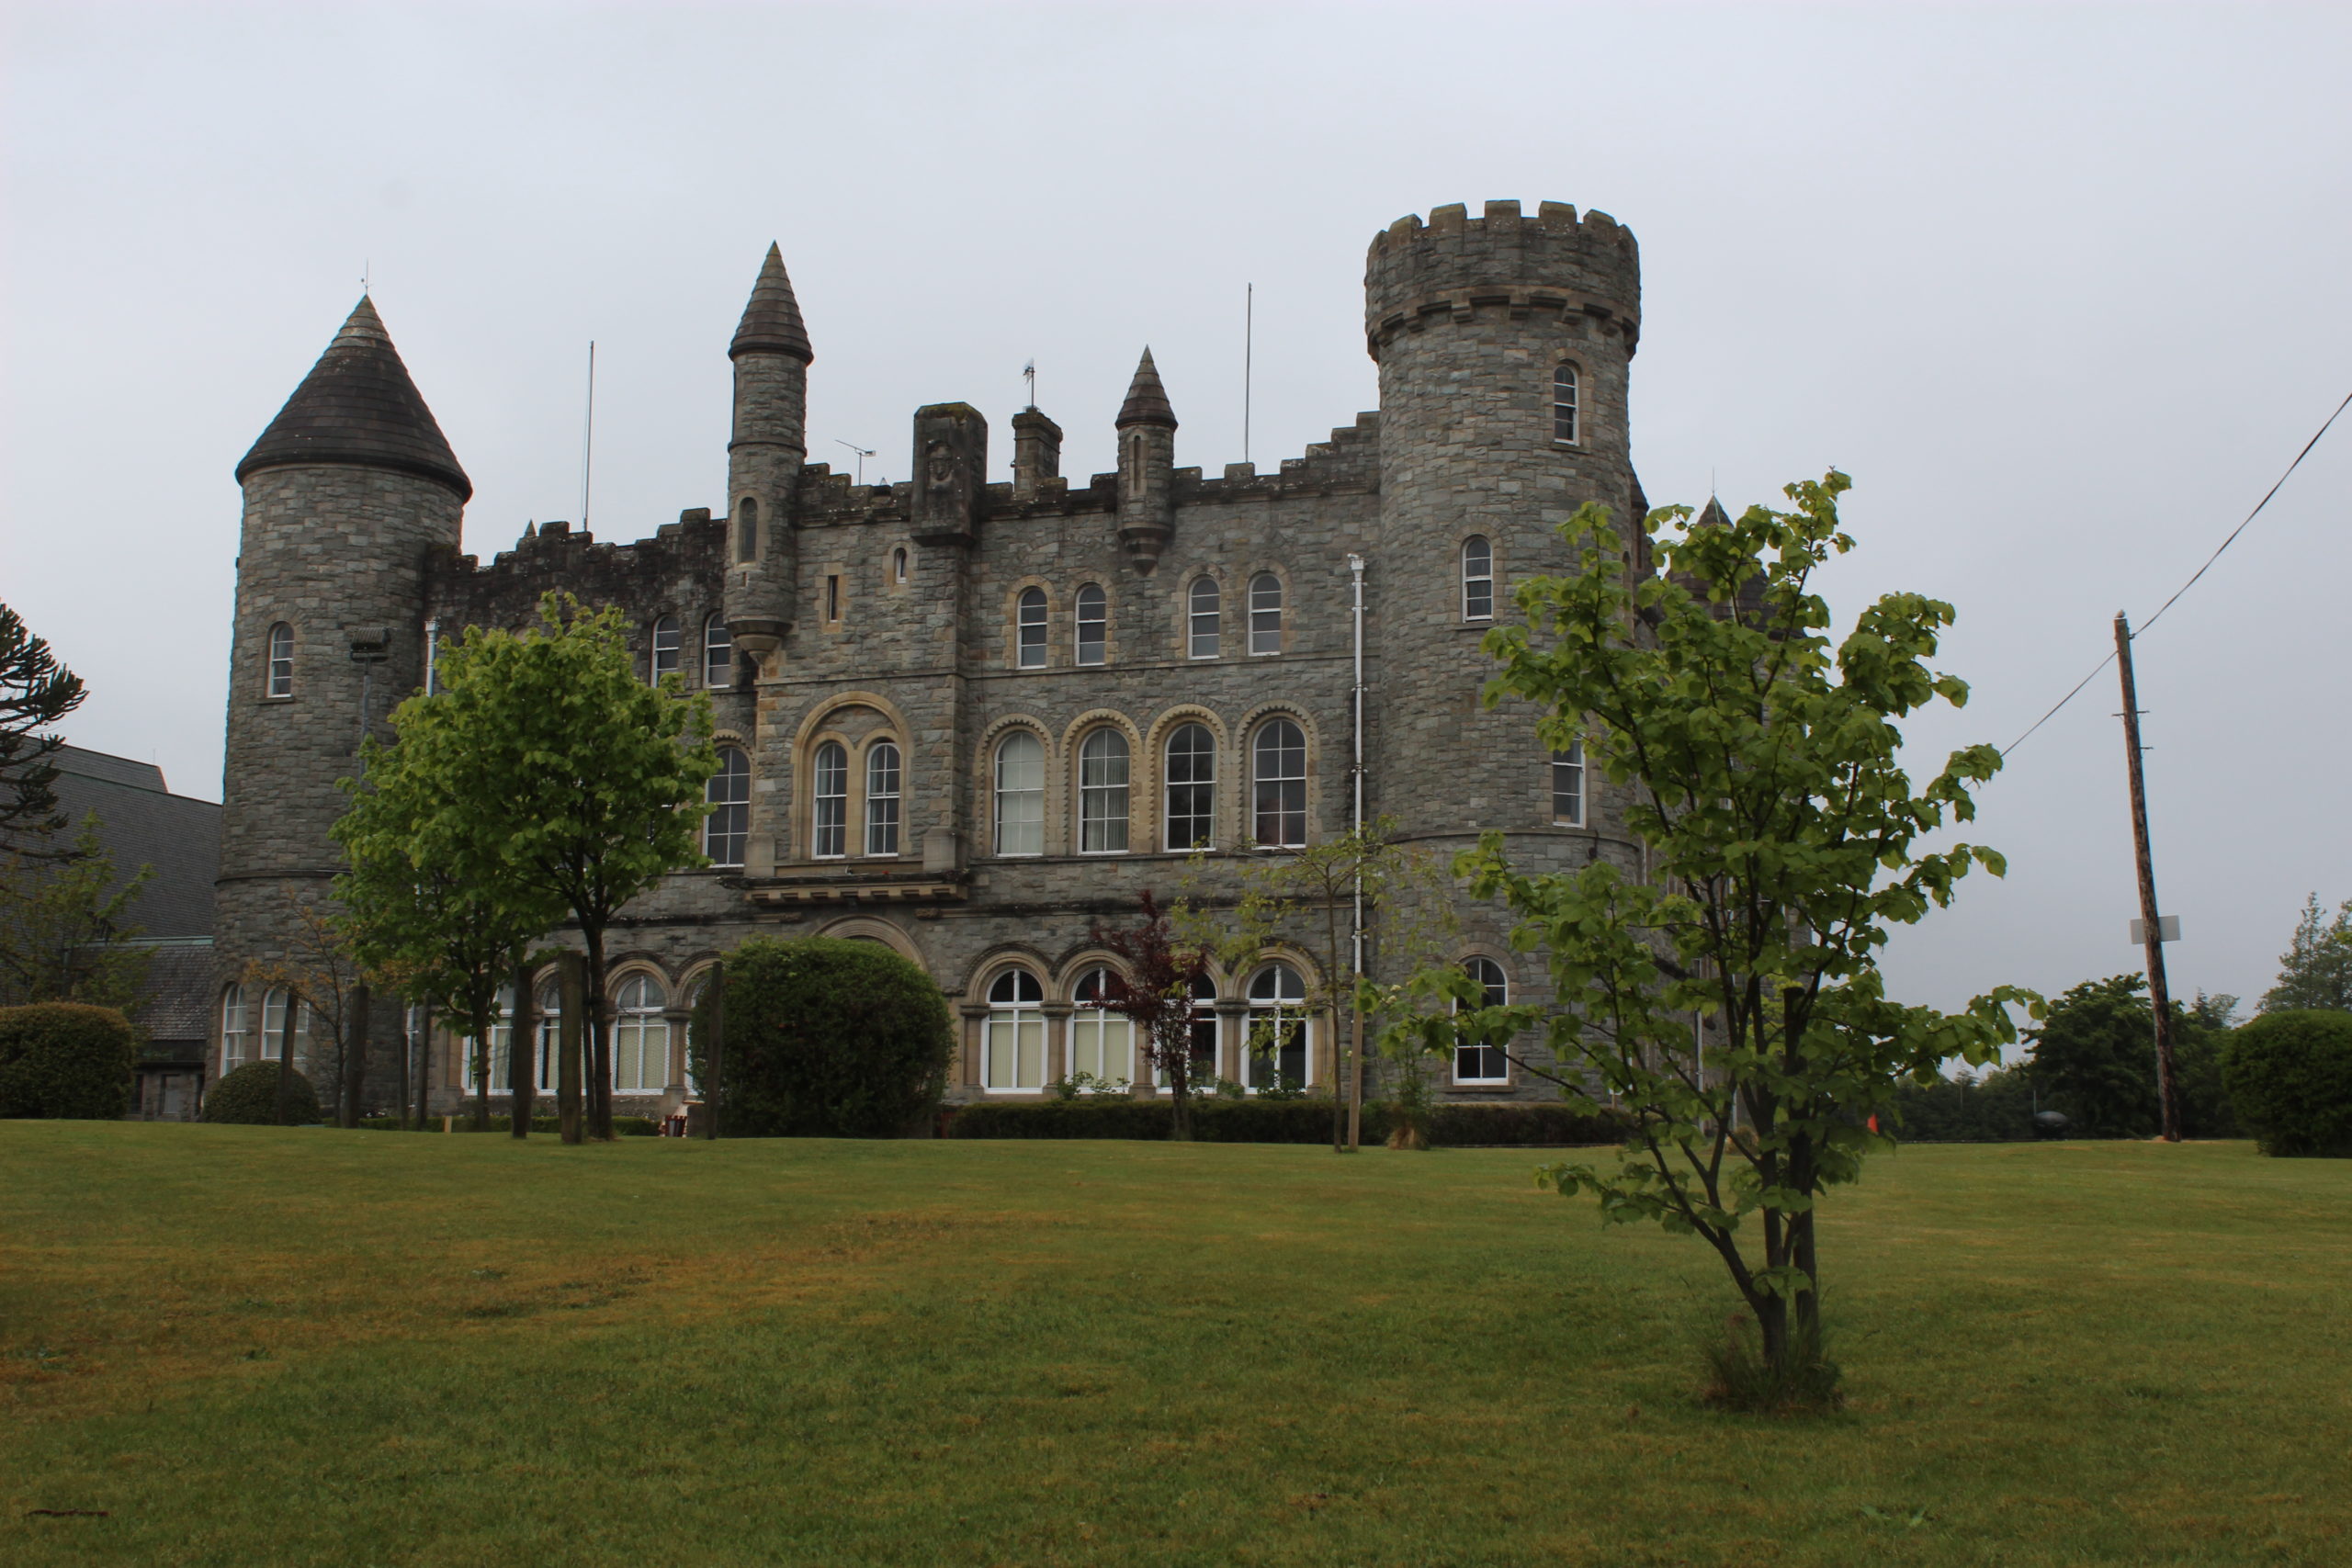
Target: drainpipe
x,y
432,644
1355,772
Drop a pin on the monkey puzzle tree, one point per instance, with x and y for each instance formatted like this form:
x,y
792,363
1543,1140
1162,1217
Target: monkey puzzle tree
x,y
36,691
1758,762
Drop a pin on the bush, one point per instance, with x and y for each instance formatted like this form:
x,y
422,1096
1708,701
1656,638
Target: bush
x,y
622,1126
2289,1075
1994,1108
249,1096
1276,1122
826,1038
66,1060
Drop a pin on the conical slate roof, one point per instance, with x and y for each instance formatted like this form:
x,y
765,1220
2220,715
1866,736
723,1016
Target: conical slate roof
x,y
358,407
1147,399
771,322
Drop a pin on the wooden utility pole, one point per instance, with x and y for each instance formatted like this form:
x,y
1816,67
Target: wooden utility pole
x,y
2152,927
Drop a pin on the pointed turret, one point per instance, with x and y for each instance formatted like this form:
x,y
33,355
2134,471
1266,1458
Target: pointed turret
x,y
359,407
771,322
1147,399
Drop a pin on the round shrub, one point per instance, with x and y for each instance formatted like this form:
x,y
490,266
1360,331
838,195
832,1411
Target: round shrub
x,y
63,1059
249,1094
2289,1075
826,1038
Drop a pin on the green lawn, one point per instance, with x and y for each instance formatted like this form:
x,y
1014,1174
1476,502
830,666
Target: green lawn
x,y
249,1346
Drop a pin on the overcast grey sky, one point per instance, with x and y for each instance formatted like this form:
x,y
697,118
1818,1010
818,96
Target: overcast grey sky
x,y
2064,288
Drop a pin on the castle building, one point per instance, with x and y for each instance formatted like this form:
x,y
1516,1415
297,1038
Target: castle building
x,y
967,718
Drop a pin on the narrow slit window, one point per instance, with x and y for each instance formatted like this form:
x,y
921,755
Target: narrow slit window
x,y
1477,578
1203,615
832,598
1030,615
1093,624
1567,785
669,647
1265,613
829,835
898,564
1563,403
746,530
730,794
882,798
278,679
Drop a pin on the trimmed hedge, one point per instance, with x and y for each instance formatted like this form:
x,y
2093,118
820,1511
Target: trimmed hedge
x,y
248,1097
1540,1125
2289,1075
63,1060
622,1126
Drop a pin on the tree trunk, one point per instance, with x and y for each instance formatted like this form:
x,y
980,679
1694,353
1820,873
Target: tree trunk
x,y
600,1051
354,1065
423,1085
715,1059
1338,1053
522,1055
483,1024
573,995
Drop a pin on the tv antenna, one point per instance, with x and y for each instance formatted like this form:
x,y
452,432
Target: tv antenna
x,y
862,454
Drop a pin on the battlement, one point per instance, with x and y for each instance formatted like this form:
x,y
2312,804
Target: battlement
x,y
1454,265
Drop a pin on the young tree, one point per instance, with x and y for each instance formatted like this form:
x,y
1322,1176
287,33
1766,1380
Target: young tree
x,y
65,929
2316,969
1757,761
320,969
1152,985
36,691
573,779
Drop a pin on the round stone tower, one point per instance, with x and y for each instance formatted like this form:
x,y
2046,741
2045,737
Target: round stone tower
x,y
764,455
1503,343
344,493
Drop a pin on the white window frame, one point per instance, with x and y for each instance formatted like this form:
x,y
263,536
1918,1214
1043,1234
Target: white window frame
x,y
717,654
1093,611
236,1030
1097,1033
1479,578
1497,994
1203,602
1105,803
829,802
1265,615
1012,1035
727,829
1204,1016
278,672
1170,784
1567,411
668,644
1282,1011
884,764
1029,611
1569,765
1018,804
640,1024
272,1024
1290,819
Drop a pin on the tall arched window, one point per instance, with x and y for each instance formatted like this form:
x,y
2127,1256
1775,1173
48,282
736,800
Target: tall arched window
x,y
1093,624
898,564
277,681
1278,770
1102,761
1563,403
502,1031
717,653
1200,616
1567,785
1012,1053
1265,613
273,1027
1101,1042
1191,788
1483,1063
746,530
236,1030
729,794
641,1038
882,798
1279,1028
1021,794
829,829
669,644
1203,1070
1032,628
1477,578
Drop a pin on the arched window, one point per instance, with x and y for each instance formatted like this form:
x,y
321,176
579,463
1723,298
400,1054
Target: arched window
x,y
669,641
1093,624
829,836
1191,788
1265,613
273,1028
1278,770
898,564
1013,1054
1567,785
1563,403
1279,1028
1477,578
1021,794
1203,1070
278,679
641,1038
746,530
1483,1063
236,1030
1032,628
1102,761
730,823
882,798
1203,618
717,653
502,1031
1101,1042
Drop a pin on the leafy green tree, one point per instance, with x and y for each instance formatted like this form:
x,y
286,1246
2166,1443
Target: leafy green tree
x,y
569,778
2316,969
65,931
2093,1059
2290,1073
1757,761
36,691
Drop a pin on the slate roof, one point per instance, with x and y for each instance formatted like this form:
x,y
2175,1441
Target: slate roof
x,y
1147,399
357,406
142,824
177,1011
771,322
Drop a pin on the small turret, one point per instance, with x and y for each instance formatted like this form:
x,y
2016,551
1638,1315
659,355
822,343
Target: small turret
x,y
1146,426
763,459
1037,453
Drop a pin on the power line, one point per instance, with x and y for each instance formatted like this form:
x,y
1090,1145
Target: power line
x,y
2185,587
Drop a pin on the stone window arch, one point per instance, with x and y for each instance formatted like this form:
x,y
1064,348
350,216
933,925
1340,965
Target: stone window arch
x,y
829,799
729,826
1189,774
1278,783
1202,636
236,1030
1101,1043
669,647
1477,578
640,1035
883,766
1029,629
1018,793
717,653
277,672
901,565
1105,776
1012,1036
1483,1064
1265,613
1281,1053
1566,408
1093,624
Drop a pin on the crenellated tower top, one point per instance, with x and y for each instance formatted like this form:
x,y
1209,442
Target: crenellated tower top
x,y
1419,273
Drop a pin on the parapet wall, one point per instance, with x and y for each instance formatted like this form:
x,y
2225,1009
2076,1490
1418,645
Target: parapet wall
x,y
1417,274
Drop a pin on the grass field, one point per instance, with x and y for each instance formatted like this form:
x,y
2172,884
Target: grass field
x,y
248,1345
